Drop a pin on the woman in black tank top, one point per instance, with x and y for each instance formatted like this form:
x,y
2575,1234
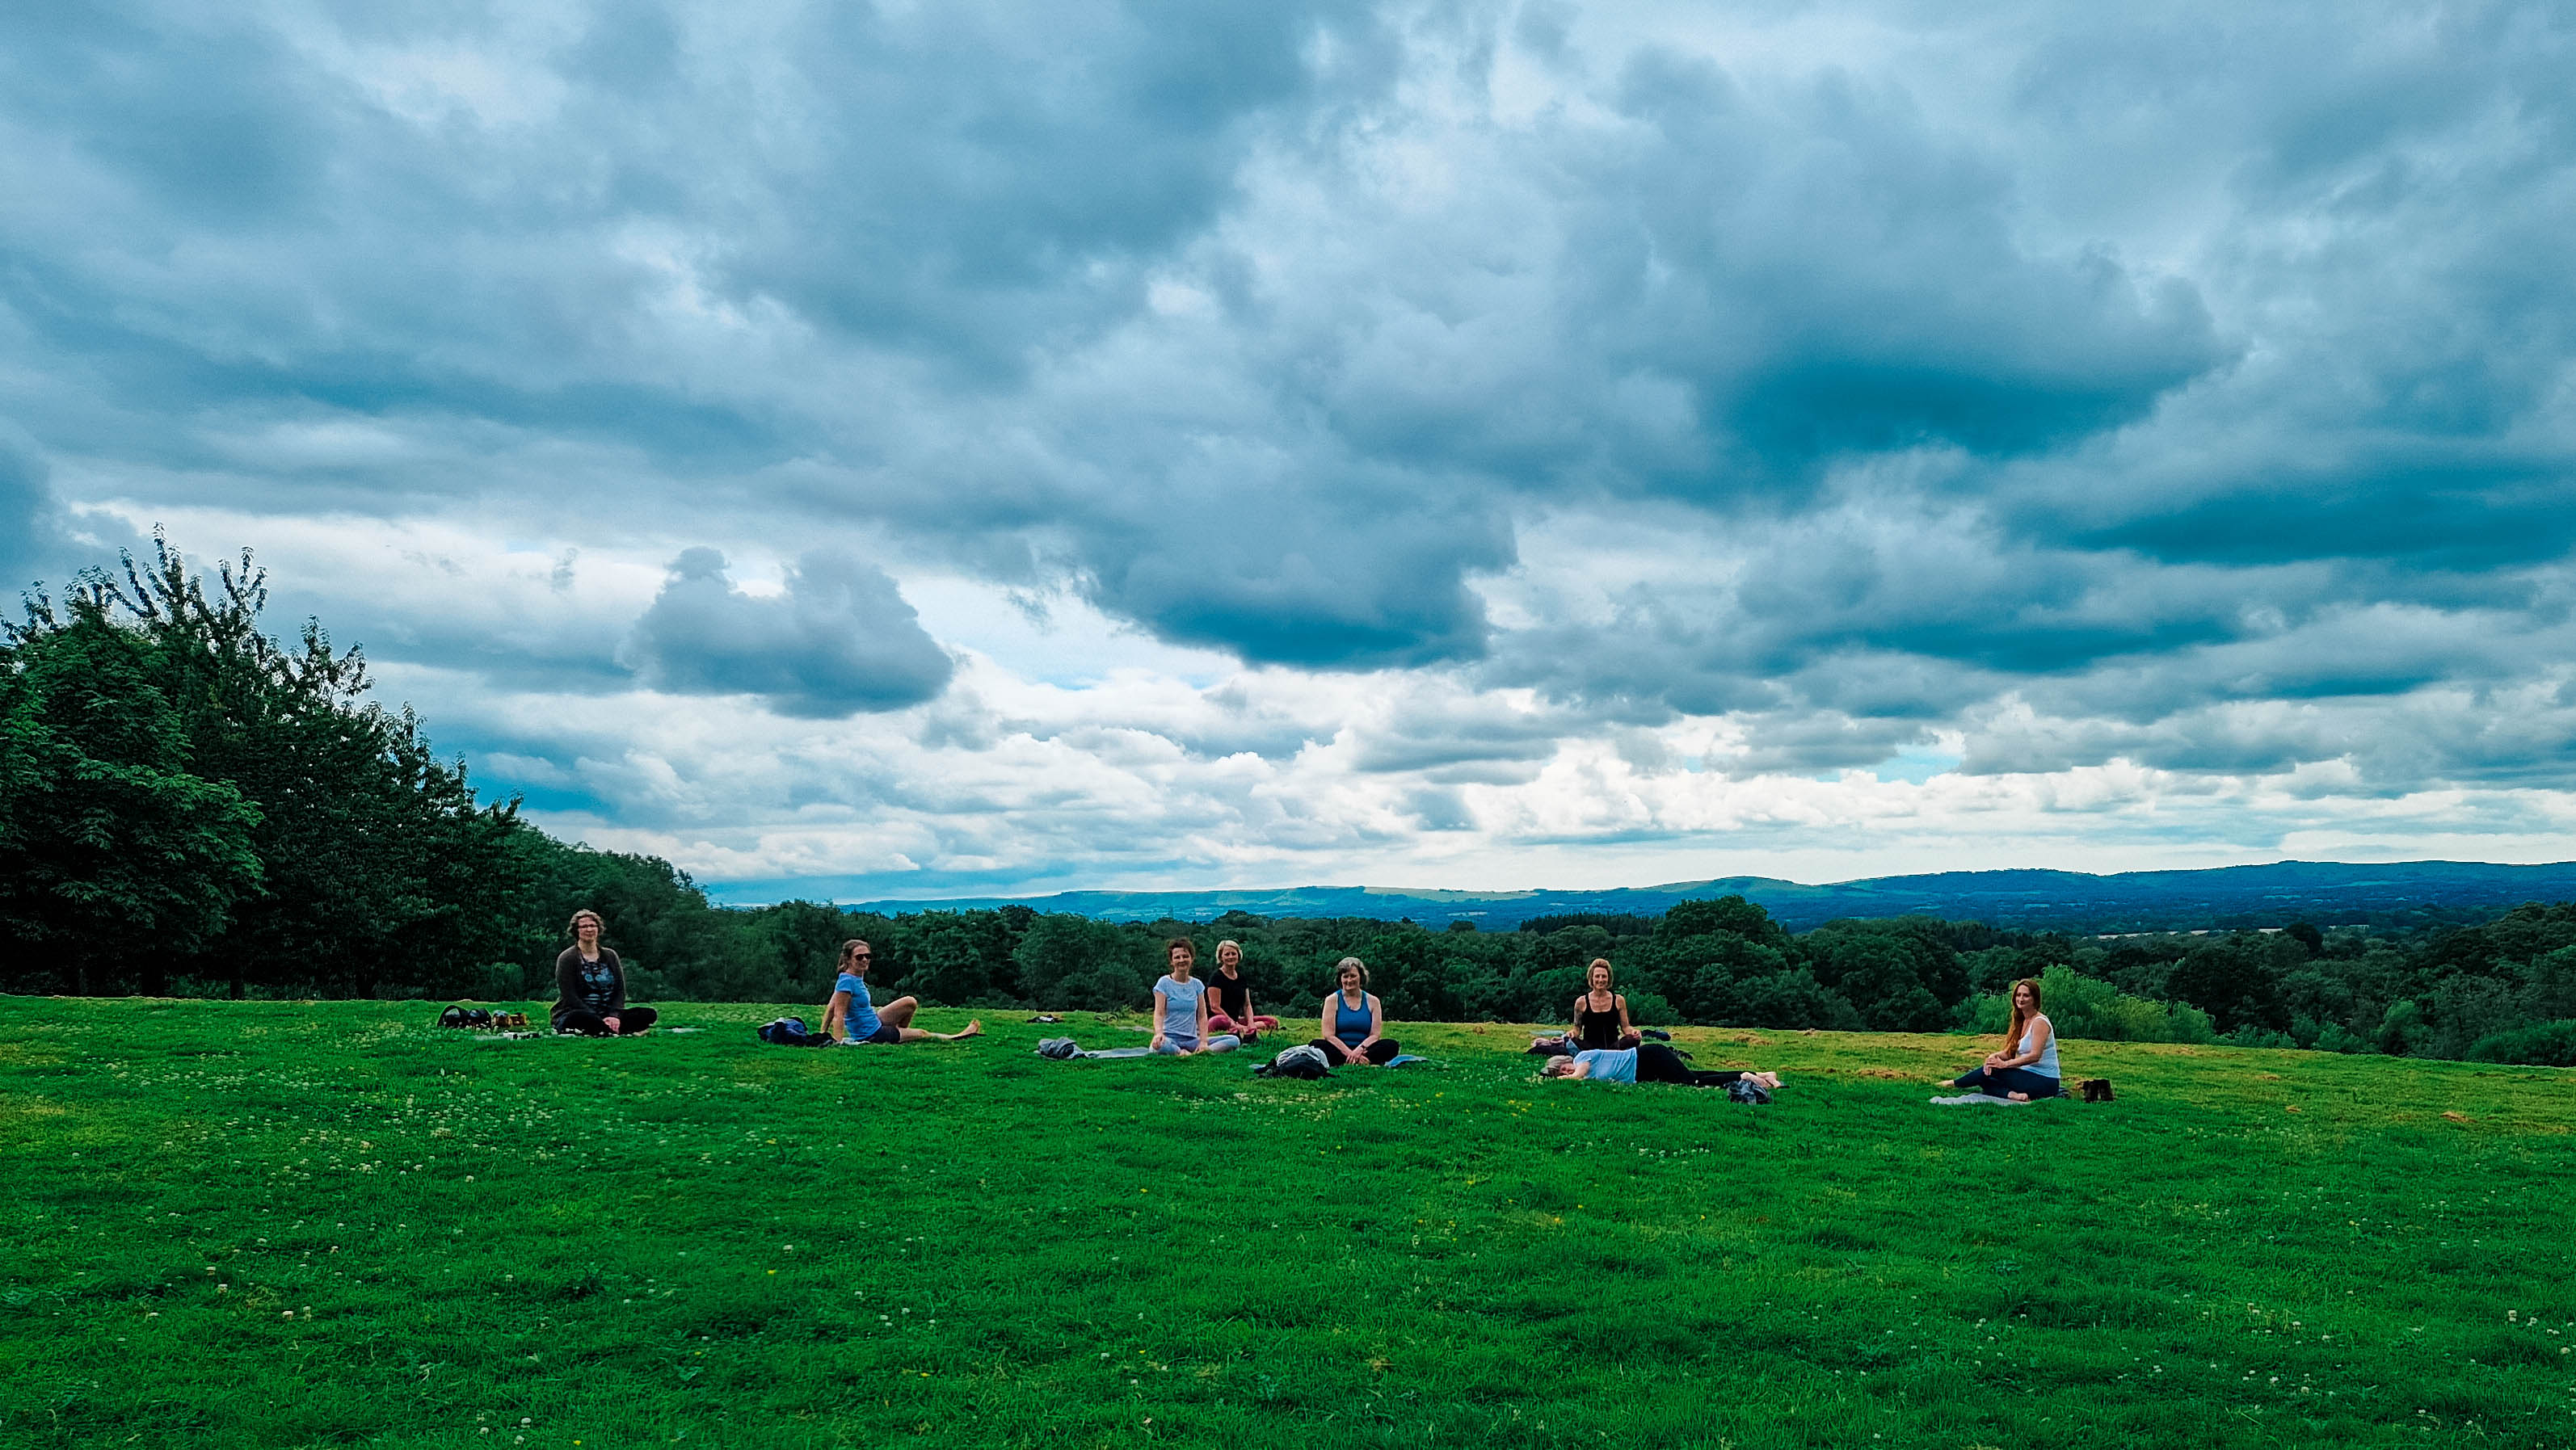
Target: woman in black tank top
x,y
1601,1015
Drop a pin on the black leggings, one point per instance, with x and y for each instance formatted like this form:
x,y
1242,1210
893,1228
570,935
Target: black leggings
x,y
1996,1082
590,1024
1379,1052
1658,1063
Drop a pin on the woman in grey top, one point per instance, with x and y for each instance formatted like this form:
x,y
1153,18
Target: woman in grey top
x,y
1181,1007
590,986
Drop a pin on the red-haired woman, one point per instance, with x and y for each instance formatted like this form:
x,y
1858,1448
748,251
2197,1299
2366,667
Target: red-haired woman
x,y
2025,1069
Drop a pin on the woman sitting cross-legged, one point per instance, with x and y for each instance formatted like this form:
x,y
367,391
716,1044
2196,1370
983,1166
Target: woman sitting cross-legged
x,y
1233,1010
1352,1020
2025,1068
852,1018
1600,1014
1181,1006
590,986
1650,1062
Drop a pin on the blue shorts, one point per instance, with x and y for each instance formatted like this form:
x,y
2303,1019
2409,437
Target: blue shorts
x,y
886,1032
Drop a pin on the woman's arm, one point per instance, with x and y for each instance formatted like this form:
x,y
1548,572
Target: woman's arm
x,y
1377,1023
2037,1033
1325,1031
1202,1018
1162,1004
1625,1026
836,1012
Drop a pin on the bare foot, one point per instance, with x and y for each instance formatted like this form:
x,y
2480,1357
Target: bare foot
x,y
973,1029
2018,1097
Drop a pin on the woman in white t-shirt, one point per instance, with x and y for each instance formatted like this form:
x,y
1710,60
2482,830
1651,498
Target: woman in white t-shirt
x,y
1181,1007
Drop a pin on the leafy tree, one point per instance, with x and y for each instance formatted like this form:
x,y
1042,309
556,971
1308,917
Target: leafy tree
x,y
115,859
1900,974
375,868
2237,981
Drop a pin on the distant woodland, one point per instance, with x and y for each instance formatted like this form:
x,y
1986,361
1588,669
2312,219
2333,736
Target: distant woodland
x,y
192,807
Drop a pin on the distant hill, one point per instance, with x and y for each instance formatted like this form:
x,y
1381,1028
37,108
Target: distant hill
x,y
2325,892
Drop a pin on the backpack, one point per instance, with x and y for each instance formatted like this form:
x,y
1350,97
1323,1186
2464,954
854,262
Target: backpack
x,y
475,1017
1305,1063
790,1032
1059,1049
1746,1090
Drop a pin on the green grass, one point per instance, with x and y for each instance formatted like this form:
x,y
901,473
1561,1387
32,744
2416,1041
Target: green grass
x,y
288,1224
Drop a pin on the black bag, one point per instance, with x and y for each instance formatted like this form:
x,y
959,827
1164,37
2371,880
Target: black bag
x,y
477,1018
1305,1063
790,1032
2095,1089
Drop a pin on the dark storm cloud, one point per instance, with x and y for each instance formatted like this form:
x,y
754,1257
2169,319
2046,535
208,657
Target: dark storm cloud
x,y
840,641
26,512
2192,389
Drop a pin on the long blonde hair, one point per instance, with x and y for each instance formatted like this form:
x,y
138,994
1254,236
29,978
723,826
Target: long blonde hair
x,y
2012,1033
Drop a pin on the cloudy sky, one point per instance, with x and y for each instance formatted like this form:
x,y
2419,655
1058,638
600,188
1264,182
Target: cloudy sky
x,y
937,449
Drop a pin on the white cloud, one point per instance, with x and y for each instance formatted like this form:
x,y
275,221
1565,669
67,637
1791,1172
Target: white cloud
x,y
1489,446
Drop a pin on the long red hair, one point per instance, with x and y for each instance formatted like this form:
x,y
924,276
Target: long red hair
x,y
2012,1033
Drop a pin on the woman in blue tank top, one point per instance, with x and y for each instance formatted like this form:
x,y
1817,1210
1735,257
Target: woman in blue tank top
x,y
1352,1020
2025,1069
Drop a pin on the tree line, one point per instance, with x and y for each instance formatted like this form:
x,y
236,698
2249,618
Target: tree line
x,y
189,806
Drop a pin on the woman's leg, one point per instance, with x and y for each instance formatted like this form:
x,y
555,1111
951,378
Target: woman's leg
x,y
915,1034
636,1019
898,1013
1219,1022
1223,1042
1658,1063
1261,1023
2026,1082
583,1021
1332,1049
1977,1080
1384,1051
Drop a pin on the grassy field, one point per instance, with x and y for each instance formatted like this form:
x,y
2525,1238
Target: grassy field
x,y
280,1224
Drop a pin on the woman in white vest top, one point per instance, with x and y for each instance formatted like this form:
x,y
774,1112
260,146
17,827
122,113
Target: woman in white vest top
x,y
2026,1067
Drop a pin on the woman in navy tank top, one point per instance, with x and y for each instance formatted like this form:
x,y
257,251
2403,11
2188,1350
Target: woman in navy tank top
x,y
1353,1020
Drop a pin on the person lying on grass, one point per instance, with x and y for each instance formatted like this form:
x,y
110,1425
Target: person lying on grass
x,y
1648,1062
1353,1020
1181,1006
851,1018
1600,1017
590,986
1233,1011
2025,1068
